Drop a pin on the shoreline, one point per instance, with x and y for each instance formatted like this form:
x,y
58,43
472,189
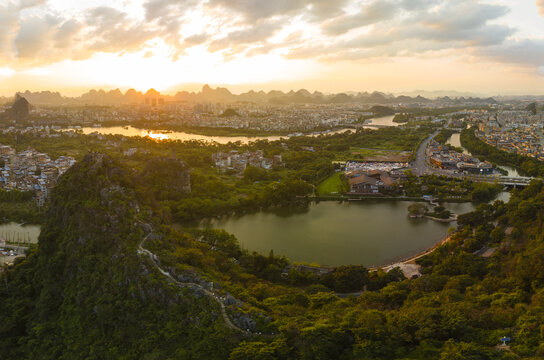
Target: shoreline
x,y
412,259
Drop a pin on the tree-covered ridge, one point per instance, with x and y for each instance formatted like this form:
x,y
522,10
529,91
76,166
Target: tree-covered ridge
x,y
85,293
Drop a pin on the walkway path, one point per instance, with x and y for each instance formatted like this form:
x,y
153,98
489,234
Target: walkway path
x,y
211,294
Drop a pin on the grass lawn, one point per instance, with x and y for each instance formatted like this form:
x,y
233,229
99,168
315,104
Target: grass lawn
x,y
335,184
363,154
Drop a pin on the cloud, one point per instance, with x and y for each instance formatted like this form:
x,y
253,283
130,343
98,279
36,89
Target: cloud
x,y
9,15
255,10
111,30
528,52
23,4
250,35
540,4
399,28
66,33
159,9
34,32
370,13
42,35
196,39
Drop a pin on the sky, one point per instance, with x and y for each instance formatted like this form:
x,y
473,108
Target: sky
x,y
492,47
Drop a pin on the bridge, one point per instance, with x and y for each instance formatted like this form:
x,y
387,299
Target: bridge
x,y
504,180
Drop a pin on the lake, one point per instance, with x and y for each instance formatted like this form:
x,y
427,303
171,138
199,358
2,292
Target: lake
x,y
455,140
370,232
13,232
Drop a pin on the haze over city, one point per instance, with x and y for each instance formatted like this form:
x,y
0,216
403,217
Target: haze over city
x,y
483,47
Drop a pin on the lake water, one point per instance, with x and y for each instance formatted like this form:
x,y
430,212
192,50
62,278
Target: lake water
x,y
370,232
13,232
455,140
183,136
382,121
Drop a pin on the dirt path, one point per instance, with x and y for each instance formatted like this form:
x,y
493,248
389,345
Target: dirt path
x,y
212,295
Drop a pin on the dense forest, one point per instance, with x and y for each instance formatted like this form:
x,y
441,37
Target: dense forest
x,y
89,292
19,206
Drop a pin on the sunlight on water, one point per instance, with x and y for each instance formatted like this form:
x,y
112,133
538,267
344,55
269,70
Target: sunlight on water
x,y
155,136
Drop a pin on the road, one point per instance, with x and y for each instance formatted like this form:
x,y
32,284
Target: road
x,y
420,166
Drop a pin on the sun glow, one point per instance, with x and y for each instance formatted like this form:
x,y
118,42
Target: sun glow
x,y
172,46
156,67
155,136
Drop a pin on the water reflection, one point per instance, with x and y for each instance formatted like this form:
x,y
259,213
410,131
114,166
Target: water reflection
x,y
372,232
381,121
156,136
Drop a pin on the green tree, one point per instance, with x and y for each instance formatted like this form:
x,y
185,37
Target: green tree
x,y
252,173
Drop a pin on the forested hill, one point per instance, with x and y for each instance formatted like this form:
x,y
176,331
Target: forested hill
x,y
86,293
91,292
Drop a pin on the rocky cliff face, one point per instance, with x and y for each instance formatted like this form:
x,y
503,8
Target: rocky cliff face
x,y
20,108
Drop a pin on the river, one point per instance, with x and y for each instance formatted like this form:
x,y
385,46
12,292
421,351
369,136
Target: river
x,y
184,136
381,121
370,232
455,140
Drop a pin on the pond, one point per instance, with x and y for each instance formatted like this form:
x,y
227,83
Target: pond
x,y
17,233
369,232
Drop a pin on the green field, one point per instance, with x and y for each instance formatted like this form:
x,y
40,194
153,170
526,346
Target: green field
x,y
335,184
365,154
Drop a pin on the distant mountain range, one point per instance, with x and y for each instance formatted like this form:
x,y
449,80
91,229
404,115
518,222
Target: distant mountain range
x,y
219,94
441,93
